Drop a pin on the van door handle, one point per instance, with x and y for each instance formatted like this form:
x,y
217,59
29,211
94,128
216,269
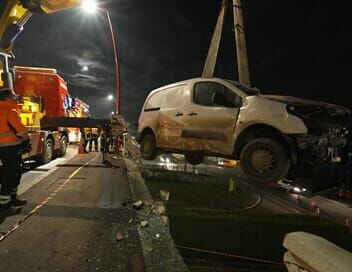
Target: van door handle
x,y
192,113
179,114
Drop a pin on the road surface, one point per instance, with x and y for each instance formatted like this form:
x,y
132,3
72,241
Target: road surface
x,y
76,229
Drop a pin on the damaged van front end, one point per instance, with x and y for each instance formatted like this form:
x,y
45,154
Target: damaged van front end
x,y
323,154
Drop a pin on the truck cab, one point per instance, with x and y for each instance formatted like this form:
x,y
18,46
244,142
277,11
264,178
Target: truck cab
x,y
41,93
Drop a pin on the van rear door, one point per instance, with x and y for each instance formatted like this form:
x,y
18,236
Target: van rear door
x,y
171,117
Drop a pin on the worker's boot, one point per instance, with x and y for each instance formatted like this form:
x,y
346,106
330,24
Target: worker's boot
x,y
17,202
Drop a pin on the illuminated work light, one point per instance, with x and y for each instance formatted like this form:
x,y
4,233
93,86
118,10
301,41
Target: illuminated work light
x,y
89,6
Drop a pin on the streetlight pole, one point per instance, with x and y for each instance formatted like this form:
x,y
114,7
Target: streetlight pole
x,y
90,6
117,65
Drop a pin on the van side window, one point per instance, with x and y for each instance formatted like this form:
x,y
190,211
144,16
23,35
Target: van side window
x,y
233,100
154,102
205,91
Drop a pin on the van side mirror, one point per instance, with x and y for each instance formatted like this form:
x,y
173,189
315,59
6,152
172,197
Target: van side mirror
x,y
219,99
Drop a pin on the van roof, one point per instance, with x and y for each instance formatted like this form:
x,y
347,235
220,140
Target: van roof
x,y
184,82
244,88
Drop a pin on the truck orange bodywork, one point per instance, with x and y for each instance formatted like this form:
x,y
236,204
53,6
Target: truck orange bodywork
x,y
44,93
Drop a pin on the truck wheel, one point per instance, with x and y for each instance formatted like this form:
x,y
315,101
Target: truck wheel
x,y
48,151
264,160
194,158
63,146
148,147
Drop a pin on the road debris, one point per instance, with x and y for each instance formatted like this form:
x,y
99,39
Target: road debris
x,y
138,204
149,248
161,210
119,236
144,224
165,220
164,195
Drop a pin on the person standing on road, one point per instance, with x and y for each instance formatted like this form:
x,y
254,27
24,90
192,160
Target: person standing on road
x,y
84,139
93,140
12,135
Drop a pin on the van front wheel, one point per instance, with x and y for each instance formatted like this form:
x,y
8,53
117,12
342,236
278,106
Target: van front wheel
x,y
265,160
148,147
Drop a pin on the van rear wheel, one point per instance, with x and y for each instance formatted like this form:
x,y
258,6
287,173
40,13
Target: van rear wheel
x,y
265,160
148,147
194,158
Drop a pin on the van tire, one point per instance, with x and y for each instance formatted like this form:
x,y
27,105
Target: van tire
x,y
265,160
194,158
148,147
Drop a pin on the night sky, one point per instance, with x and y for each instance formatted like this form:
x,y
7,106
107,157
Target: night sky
x,y
295,47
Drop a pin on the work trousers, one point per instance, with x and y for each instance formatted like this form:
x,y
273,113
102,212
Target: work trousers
x,y
95,141
11,171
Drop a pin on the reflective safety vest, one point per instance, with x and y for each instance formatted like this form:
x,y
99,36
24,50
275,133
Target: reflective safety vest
x,y
10,124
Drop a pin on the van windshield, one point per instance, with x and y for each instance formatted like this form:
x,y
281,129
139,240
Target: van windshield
x,y
248,90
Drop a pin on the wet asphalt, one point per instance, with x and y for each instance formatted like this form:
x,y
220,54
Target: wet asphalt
x,y
75,230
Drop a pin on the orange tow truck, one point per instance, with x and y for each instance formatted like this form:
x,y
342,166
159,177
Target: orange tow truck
x,y
43,93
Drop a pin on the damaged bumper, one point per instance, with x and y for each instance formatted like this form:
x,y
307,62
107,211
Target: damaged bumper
x,y
324,153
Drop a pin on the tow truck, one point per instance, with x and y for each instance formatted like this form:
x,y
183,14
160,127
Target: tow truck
x,y
14,14
42,92
56,127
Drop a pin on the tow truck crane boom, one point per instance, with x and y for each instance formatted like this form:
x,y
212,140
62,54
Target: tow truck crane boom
x,y
14,14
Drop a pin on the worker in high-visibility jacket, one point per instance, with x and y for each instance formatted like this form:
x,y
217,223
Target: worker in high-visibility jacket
x,y
12,134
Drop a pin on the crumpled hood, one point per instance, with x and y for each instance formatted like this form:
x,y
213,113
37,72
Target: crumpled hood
x,y
316,114
297,101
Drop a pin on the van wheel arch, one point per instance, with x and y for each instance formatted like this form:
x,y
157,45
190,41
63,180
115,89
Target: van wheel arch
x,y
265,131
145,131
148,146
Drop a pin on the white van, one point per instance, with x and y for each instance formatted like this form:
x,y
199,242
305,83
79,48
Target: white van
x,y
223,118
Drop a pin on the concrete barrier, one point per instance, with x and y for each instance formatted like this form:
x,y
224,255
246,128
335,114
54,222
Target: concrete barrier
x,y
308,252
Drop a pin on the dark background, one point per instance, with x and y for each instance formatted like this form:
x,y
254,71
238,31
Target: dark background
x,y
295,47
